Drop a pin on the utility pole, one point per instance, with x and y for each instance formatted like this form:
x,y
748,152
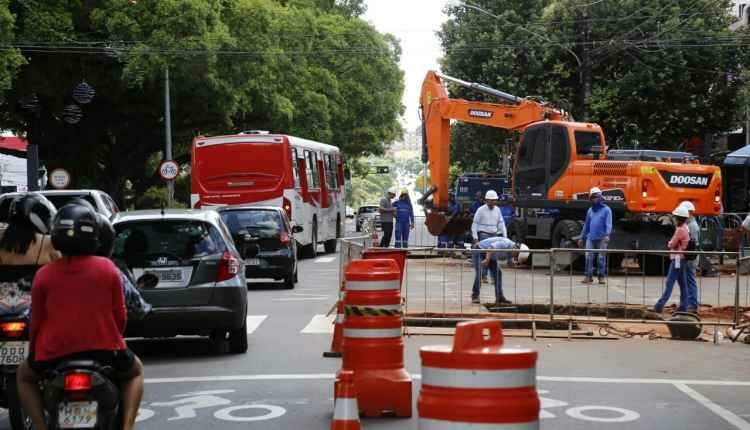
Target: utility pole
x,y
168,133
585,72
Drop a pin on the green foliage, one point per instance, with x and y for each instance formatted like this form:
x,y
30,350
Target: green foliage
x,y
663,70
156,197
304,67
368,187
10,59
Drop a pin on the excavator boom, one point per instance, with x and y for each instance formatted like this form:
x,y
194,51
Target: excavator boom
x,y
438,109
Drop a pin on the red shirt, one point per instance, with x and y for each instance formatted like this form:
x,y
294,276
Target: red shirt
x,y
679,241
77,305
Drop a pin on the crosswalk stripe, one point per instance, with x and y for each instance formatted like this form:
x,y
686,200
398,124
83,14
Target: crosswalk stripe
x,y
253,322
320,324
324,259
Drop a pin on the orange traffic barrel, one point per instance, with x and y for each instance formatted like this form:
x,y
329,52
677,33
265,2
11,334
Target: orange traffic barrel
x,y
345,409
373,345
338,332
398,255
477,382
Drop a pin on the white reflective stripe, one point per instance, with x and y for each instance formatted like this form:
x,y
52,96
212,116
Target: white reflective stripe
x,y
346,409
464,378
372,333
373,285
430,424
386,307
339,318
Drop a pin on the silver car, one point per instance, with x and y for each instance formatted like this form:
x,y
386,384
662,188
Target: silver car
x,y
201,287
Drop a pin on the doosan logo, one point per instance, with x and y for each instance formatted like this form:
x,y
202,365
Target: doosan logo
x,y
480,113
688,180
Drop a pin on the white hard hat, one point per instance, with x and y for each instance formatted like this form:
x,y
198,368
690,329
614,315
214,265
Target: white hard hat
x,y
681,211
491,195
523,256
689,205
595,190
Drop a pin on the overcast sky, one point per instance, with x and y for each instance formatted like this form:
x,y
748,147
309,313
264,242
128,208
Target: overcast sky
x,y
414,23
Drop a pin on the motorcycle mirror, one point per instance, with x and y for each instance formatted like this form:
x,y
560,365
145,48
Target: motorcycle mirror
x,y
147,280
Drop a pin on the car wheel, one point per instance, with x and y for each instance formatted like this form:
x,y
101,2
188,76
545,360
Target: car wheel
x,y
289,282
238,340
219,343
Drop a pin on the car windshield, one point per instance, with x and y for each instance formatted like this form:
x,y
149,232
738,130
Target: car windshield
x,y
165,240
367,209
62,200
253,220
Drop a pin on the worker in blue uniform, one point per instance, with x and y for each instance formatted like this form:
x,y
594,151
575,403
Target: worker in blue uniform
x,y
454,209
404,219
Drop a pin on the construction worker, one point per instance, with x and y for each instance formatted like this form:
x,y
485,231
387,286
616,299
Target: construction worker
x,y
404,219
488,221
691,261
490,261
454,209
679,242
387,211
506,208
595,235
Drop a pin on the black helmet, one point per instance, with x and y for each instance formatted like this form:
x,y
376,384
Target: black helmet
x,y
34,210
106,236
75,230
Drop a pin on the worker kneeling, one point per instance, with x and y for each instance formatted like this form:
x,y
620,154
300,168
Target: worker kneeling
x,y
511,250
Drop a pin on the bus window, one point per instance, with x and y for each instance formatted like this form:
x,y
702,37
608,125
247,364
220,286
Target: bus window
x,y
330,164
295,167
311,160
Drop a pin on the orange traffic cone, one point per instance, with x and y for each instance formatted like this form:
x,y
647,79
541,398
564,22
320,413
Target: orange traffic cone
x,y
338,332
345,411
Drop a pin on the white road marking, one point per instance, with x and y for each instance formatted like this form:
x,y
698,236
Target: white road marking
x,y
324,259
727,415
326,376
320,324
254,321
301,299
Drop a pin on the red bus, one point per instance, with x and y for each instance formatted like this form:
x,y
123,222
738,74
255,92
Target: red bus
x,y
304,177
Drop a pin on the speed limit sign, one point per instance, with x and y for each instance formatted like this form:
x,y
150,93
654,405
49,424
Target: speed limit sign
x,y
169,170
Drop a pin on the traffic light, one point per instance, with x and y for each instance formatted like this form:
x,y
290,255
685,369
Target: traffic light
x,y
383,169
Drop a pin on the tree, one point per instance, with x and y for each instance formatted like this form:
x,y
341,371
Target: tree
x,y
668,69
10,58
306,68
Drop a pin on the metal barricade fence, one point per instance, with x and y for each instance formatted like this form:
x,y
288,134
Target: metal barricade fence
x,y
438,282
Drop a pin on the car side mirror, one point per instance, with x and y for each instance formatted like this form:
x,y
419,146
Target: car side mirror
x,y
297,229
147,280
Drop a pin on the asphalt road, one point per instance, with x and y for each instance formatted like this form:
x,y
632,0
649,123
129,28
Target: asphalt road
x,y
283,382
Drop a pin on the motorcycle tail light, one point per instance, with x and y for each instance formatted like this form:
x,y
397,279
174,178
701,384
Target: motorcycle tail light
x,y
77,381
13,329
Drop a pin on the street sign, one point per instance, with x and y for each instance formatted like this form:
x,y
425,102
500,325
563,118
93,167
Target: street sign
x,y
59,178
169,170
383,169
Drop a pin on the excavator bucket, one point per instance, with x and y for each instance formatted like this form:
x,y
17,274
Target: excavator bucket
x,y
439,223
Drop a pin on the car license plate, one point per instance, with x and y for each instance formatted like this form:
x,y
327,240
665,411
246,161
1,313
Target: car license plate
x,y
13,353
168,275
77,415
252,261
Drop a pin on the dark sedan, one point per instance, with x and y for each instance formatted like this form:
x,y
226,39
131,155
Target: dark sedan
x,y
265,240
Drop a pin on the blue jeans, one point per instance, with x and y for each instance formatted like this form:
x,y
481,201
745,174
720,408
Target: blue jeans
x,y
601,260
692,283
678,275
402,233
495,274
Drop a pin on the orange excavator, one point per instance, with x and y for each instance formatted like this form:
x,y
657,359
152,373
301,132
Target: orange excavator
x,y
557,161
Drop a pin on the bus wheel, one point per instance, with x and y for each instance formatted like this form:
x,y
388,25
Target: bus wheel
x,y
330,245
311,250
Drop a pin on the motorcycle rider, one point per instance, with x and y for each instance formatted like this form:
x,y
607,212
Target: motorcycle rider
x,y
78,313
26,240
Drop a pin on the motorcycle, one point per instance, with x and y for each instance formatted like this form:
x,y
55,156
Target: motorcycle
x,y
15,311
82,394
